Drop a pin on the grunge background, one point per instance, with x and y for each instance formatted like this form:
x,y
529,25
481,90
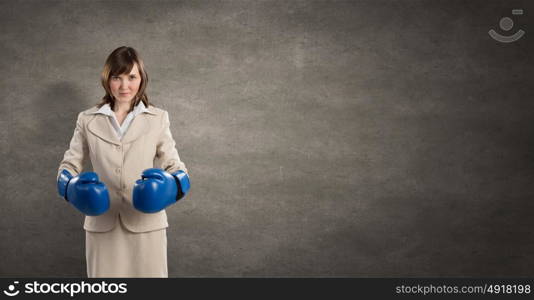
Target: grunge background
x,y
323,138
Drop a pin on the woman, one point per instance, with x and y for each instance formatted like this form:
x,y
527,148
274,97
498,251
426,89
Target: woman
x,y
137,173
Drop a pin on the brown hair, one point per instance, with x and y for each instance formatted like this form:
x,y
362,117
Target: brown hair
x,y
121,61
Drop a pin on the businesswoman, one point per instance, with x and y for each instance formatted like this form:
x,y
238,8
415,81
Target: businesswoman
x,y
137,174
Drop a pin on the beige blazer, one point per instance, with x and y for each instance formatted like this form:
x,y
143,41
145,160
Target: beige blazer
x,y
147,143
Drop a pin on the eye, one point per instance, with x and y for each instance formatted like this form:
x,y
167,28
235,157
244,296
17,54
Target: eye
x,y
132,76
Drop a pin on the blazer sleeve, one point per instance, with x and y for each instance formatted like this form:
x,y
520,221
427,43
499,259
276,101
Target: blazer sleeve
x,y
166,151
75,156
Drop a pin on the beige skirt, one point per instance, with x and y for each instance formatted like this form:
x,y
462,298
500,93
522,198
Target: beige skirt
x,y
122,253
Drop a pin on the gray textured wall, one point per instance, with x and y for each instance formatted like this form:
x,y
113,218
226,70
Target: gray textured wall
x,y
324,138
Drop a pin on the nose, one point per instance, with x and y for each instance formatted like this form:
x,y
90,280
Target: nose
x,y
124,85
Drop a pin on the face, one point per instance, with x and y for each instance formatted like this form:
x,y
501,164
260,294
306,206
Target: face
x,y
124,87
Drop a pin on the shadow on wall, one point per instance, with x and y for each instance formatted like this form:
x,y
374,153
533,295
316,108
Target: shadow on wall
x,y
43,128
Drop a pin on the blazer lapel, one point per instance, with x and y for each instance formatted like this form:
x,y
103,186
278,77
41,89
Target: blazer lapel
x,y
101,126
137,128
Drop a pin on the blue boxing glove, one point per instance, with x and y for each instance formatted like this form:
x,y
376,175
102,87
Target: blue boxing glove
x,y
182,182
85,192
158,189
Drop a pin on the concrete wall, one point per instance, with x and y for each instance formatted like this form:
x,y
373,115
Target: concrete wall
x,y
324,138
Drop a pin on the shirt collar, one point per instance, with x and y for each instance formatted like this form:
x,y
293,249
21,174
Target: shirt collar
x,y
106,109
140,108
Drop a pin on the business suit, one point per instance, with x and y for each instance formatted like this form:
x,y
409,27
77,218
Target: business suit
x,y
119,163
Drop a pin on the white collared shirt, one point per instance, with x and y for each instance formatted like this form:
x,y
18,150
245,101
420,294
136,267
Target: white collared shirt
x,y
120,130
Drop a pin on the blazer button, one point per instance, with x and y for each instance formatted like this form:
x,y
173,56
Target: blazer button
x,y
119,148
118,170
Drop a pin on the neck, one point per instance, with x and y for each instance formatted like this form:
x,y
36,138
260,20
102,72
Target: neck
x,y
121,107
